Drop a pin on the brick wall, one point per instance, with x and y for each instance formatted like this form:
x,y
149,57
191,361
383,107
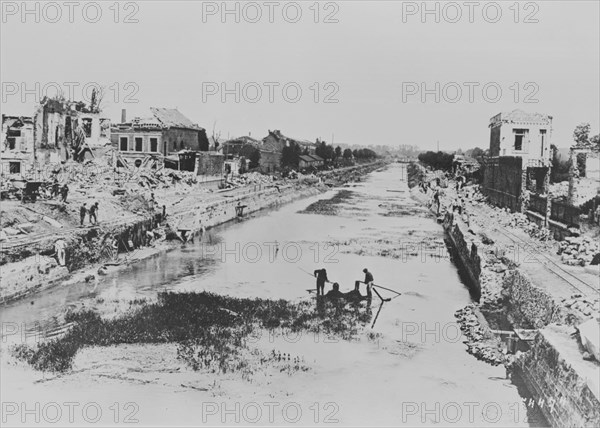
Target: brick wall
x,y
502,182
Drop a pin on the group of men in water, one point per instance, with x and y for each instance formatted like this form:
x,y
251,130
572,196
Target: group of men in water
x,y
335,293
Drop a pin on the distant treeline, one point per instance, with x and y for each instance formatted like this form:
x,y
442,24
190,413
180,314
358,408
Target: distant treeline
x,y
437,160
290,156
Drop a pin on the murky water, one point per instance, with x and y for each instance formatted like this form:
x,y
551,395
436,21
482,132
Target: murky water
x,y
425,376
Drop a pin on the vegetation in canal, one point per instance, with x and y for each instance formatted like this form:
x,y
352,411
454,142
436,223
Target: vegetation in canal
x,y
212,331
328,206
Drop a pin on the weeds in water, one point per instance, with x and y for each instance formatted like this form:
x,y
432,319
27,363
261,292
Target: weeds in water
x,y
211,330
328,206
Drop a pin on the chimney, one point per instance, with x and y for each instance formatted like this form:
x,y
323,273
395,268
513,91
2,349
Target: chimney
x,y
123,115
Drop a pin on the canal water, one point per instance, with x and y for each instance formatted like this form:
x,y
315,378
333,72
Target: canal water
x,y
413,371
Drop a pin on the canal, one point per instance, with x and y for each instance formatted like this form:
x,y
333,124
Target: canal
x,y
410,367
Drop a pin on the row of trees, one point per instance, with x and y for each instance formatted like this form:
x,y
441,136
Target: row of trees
x,y
290,156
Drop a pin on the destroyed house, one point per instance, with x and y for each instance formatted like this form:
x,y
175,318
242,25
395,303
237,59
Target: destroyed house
x,y
520,158
232,148
276,141
67,129
17,150
179,133
165,132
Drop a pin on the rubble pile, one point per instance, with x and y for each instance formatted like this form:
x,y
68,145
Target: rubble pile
x,y
559,190
163,178
250,178
477,344
474,195
585,305
578,251
522,222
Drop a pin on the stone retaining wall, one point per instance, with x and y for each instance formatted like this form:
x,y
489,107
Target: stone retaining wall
x,y
557,377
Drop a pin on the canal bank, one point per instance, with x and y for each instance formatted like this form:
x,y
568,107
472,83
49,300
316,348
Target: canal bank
x,y
406,366
32,267
520,320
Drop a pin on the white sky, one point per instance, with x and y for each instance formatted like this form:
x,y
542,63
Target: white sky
x,y
369,53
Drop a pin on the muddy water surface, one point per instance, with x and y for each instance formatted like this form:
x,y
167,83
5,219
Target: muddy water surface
x,y
409,367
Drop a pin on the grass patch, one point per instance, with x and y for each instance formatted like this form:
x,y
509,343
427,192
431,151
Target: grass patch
x,y
211,331
328,206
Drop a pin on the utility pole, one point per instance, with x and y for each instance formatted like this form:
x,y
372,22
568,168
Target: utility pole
x,y
438,145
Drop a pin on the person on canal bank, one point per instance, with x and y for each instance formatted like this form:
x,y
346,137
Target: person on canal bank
x,y
55,188
94,213
64,192
82,212
321,275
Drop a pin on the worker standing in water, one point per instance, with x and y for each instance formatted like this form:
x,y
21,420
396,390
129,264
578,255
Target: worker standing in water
x,y
368,282
321,275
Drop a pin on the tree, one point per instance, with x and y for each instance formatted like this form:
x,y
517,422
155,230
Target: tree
x,y
347,154
338,151
581,135
290,155
439,160
254,159
325,151
595,142
560,167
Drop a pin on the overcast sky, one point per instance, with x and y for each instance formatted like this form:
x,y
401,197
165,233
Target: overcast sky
x,y
374,59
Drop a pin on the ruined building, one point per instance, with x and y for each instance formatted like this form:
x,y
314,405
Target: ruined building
x,y
520,158
17,151
165,138
66,130
164,133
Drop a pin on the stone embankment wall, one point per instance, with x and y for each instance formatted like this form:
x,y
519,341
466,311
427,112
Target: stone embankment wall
x,y
466,251
565,387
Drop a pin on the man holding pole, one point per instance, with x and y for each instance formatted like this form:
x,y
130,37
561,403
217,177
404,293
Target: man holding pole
x,y
368,282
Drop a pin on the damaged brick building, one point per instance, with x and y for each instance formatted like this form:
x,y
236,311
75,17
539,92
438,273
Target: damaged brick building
x,y
166,132
520,159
